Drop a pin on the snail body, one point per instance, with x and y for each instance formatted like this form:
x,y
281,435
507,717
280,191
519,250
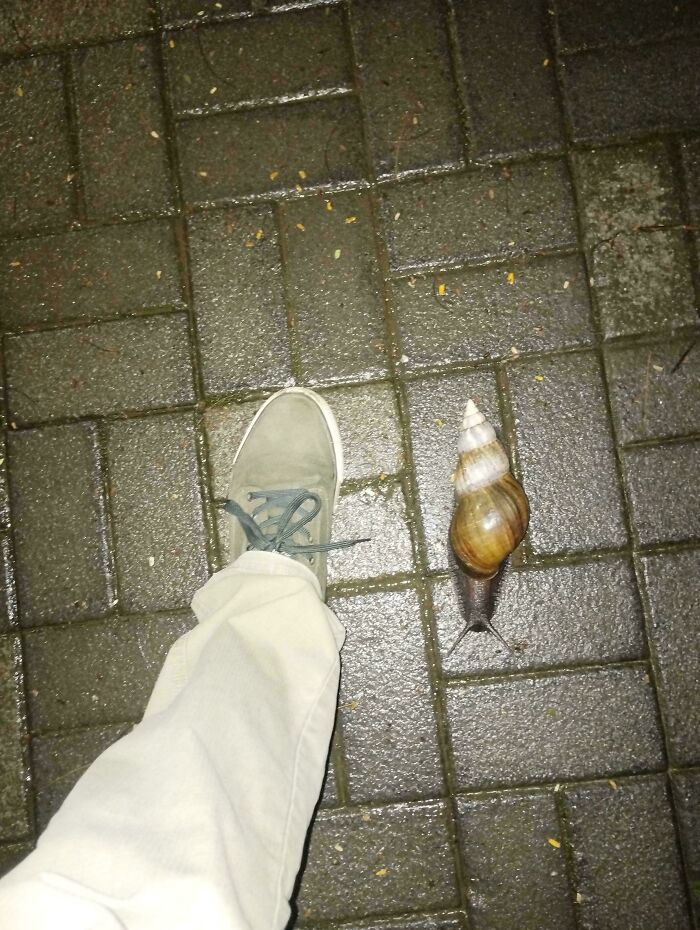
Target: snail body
x,y
491,513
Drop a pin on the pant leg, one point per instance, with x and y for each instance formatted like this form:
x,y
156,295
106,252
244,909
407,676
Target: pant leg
x,y
197,818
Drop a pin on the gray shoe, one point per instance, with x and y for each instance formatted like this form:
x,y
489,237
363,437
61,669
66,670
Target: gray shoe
x,y
285,481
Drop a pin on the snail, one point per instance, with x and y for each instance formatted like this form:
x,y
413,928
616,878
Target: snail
x,y
489,520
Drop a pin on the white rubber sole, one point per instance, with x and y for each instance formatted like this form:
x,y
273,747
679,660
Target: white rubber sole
x,y
331,423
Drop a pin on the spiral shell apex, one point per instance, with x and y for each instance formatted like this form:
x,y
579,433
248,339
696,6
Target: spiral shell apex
x,y
492,510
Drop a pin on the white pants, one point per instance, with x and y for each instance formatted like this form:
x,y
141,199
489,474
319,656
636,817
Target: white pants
x,y
197,818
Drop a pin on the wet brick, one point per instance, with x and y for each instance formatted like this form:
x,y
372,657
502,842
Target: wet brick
x,y
92,273
566,454
517,879
602,22
482,314
380,514
385,704
511,94
8,597
61,22
624,188
444,921
225,427
63,564
175,12
110,367
686,789
11,854
409,841
481,214
623,92
691,162
14,814
259,60
436,407
59,761
121,128
674,598
158,522
626,857
407,84
35,189
664,492
651,397
572,725
237,155
88,674
334,288
558,616
239,299
643,283
369,428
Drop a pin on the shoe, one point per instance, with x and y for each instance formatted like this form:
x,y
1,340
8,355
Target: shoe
x,y
285,481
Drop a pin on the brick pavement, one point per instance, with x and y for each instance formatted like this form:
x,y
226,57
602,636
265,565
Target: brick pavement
x,y
402,204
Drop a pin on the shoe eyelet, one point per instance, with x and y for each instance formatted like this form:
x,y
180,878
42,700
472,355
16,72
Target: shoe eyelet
x,y
312,560
249,495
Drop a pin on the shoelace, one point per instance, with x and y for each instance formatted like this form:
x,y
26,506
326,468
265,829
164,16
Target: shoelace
x,y
276,532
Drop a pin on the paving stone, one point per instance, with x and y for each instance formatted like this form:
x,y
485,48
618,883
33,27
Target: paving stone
x,y
572,725
14,814
482,314
436,407
60,535
444,921
8,597
235,155
92,274
109,367
624,188
517,879
34,187
509,80
88,674
385,705
239,299
11,854
691,161
626,856
625,92
409,841
369,427
59,761
177,12
158,520
367,419
380,514
259,60
623,22
558,616
566,454
455,219
674,600
643,283
121,129
664,492
404,59
651,398
62,22
686,789
335,288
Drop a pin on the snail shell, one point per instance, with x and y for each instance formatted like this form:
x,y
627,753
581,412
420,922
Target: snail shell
x,y
492,510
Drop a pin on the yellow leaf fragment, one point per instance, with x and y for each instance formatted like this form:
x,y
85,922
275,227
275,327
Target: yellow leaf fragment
x,y
15,264
545,62
336,254
154,134
171,43
566,285
510,277
552,842
658,367
302,174
350,219
274,175
579,897
19,91
440,423
397,214
337,847
203,174
539,377
259,234
249,243
298,187
159,274
612,783
441,289
452,477
329,205
366,818
213,90
381,872
300,226
514,350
